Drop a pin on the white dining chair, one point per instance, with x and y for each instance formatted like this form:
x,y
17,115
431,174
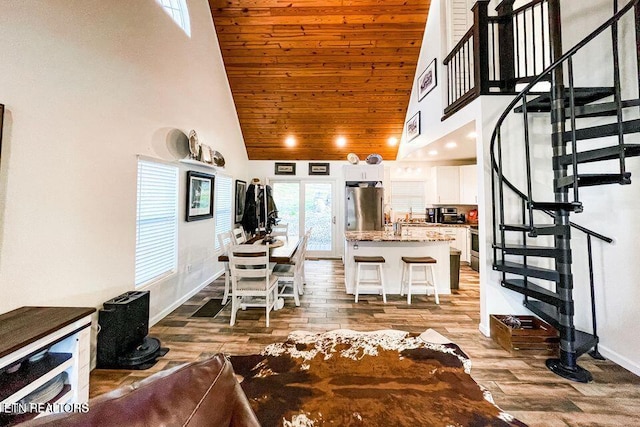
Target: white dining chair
x,y
239,237
251,276
225,239
281,229
291,276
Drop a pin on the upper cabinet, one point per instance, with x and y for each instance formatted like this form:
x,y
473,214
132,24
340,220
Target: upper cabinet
x,y
364,172
453,185
469,185
446,181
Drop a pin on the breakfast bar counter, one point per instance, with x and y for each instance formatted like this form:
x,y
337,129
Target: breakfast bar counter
x,y
392,247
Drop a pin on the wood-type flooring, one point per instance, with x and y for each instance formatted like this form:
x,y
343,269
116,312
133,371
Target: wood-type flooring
x,y
519,382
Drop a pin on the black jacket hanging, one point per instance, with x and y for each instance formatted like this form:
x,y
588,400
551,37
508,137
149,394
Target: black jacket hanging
x,y
249,218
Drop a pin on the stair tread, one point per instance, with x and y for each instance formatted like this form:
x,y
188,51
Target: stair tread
x,y
528,250
601,154
583,96
601,109
532,290
610,129
557,206
527,270
588,180
538,229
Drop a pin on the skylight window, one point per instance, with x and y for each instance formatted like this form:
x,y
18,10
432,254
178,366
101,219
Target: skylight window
x,y
177,10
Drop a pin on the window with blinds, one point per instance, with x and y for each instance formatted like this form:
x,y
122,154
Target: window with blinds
x,y
407,195
156,221
224,205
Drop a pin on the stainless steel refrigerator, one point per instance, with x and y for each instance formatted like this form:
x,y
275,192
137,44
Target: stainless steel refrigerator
x,y
364,208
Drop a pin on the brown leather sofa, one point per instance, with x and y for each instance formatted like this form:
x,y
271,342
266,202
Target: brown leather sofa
x,y
196,394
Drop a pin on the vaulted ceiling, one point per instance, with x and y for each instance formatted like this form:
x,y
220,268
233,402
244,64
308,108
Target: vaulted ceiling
x,y
315,70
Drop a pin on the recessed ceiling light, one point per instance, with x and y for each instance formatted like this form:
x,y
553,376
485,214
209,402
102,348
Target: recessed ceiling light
x,y
290,142
393,141
472,135
451,144
433,152
341,141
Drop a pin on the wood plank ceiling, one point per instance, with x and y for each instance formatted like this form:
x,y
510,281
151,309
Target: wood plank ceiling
x,y
315,70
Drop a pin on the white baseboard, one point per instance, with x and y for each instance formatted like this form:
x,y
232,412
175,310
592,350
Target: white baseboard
x,y
158,317
619,359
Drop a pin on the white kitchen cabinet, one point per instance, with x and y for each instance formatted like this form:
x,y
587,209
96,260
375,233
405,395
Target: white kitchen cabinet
x,y
38,344
469,185
462,243
364,172
446,182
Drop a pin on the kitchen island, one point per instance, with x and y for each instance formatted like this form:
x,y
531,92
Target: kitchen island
x,y
393,248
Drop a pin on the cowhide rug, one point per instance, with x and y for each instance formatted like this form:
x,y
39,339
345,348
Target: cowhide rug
x,y
382,378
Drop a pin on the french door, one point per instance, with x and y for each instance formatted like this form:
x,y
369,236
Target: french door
x,y
305,204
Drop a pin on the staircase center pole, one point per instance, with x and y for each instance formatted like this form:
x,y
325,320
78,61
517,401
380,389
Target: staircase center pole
x,y
566,366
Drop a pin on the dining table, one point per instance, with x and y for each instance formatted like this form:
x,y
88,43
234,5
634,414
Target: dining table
x,y
280,252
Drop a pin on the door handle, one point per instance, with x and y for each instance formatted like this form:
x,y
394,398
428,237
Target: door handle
x,y
334,219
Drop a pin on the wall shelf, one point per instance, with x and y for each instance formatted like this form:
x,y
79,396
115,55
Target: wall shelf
x,y
199,163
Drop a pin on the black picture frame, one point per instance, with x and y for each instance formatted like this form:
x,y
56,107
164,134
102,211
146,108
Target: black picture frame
x,y
285,169
199,198
413,127
319,168
428,80
241,191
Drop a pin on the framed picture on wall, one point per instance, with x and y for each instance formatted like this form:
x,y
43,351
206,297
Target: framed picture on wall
x,y
427,80
241,190
318,168
413,127
285,169
199,196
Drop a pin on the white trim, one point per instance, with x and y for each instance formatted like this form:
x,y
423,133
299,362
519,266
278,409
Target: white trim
x,y
484,330
164,313
619,359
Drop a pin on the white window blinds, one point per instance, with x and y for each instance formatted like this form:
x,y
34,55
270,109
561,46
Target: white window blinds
x,y
156,221
224,205
407,195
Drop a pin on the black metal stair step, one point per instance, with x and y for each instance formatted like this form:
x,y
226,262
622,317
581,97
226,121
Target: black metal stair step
x,y
583,340
538,229
611,129
557,206
532,290
530,250
589,180
546,312
601,154
582,96
601,109
526,270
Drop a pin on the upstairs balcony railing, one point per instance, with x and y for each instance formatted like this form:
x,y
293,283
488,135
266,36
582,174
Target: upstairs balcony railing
x,y
498,52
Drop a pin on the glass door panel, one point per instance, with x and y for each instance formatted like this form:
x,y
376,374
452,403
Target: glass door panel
x,y
287,199
318,214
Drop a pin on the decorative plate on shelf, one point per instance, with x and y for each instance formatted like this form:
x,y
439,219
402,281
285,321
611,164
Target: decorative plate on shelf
x,y
217,158
194,144
374,159
353,158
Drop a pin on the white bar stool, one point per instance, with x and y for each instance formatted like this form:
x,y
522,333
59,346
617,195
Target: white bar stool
x,y
370,261
429,265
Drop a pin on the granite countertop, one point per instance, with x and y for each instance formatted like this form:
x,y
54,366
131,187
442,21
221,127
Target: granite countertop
x,y
386,236
434,224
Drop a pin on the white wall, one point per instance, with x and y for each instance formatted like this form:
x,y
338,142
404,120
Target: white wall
x,y
610,210
89,85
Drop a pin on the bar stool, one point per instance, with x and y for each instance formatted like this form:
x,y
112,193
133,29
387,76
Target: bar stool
x,y
429,265
370,261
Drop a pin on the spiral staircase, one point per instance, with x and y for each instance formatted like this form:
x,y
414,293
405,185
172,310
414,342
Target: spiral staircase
x,y
524,266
